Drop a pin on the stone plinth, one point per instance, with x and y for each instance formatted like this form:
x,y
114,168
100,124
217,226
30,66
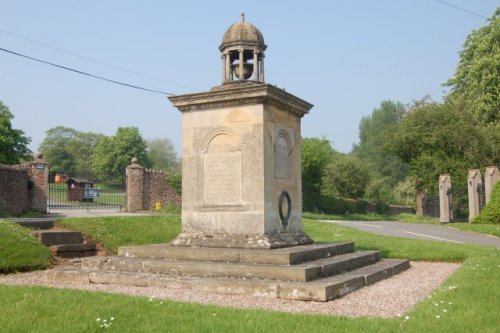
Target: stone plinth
x,y
241,174
491,177
474,183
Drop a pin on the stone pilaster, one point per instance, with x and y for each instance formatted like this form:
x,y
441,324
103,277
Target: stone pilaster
x,y
474,182
445,212
135,186
491,177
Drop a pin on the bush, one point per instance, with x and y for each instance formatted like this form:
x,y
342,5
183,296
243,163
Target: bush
x,y
175,180
337,205
491,213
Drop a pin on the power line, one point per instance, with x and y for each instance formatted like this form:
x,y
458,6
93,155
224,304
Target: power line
x,y
94,60
84,73
462,9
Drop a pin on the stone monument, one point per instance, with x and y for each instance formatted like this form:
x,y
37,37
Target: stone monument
x,y
241,163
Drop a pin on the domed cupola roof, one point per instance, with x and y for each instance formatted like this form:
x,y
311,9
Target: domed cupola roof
x,y
243,33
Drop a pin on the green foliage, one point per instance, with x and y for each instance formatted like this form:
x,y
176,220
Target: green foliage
x,y
68,150
13,143
405,192
346,176
175,180
476,77
336,205
162,154
113,154
19,251
116,231
491,212
316,154
372,131
442,138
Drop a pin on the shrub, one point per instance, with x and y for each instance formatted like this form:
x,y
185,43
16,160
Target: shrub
x,y
491,213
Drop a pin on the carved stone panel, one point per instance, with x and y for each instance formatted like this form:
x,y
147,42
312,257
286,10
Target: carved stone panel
x,y
283,151
222,171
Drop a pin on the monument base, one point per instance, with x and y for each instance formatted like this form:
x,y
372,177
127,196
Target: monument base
x,y
256,241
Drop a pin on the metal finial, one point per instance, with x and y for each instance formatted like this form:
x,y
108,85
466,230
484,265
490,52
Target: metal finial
x,y
243,17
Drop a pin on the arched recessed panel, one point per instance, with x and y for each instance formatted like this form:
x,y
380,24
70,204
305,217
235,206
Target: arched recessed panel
x,y
283,150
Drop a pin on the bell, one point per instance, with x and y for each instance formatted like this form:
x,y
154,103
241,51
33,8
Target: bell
x,y
247,70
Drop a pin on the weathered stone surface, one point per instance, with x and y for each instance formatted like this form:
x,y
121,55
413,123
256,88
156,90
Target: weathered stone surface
x,y
281,256
54,237
38,223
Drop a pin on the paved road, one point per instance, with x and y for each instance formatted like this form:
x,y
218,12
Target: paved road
x,y
422,231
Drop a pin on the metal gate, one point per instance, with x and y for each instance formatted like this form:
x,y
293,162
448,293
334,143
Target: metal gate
x,y
86,192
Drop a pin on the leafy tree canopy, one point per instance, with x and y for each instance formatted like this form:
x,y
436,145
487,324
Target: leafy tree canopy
x,y
476,80
346,176
13,143
113,154
162,154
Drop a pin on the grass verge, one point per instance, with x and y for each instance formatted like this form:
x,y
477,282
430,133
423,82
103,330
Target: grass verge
x,y
489,229
467,302
115,231
19,251
408,218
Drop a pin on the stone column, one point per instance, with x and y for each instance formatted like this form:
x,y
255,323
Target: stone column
x,y
229,74
223,60
445,213
255,65
38,186
262,67
473,182
135,186
491,177
241,77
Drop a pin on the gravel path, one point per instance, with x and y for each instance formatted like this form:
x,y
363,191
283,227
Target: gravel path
x,y
387,298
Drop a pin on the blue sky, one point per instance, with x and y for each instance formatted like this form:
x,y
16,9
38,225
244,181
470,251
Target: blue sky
x,y
345,57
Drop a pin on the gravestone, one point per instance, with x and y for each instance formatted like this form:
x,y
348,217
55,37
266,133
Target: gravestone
x,y
445,212
474,186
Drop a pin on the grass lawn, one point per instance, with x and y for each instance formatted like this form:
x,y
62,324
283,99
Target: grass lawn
x,y
114,231
408,218
19,251
490,229
471,297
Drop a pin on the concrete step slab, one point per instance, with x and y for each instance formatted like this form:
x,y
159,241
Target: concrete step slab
x,y
282,256
36,223
324,289
57,237
301,272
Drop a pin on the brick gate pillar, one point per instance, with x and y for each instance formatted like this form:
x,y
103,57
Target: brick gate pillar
x,y
135,186
38,185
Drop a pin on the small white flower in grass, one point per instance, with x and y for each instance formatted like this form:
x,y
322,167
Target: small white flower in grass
x,y
442,302
112,318
438,316
430,296
450,303
98,319
407,317
150,299
444,310
104,321
214,314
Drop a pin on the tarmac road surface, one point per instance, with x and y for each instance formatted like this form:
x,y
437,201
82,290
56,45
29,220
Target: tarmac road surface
x,y
422,231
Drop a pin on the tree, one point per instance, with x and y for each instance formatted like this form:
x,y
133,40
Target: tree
x,y
438,138
162,154
316,154
346,176
371,141
113,154
476,77
13,143
68,150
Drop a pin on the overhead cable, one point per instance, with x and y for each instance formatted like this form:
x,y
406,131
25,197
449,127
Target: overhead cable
x,y
87,74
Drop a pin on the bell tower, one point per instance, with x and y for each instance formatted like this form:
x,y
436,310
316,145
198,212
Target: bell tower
x,y
241,154
242,53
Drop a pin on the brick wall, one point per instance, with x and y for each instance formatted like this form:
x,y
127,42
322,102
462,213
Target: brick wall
x,y
23,187
147,187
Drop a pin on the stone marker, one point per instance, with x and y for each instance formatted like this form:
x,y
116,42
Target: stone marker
x,y
241,163
474,183
445,212
491,177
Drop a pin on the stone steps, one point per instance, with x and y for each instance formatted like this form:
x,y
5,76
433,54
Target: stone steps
x,y
316,272
323,289
281,256
301,272
63,243
35,223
